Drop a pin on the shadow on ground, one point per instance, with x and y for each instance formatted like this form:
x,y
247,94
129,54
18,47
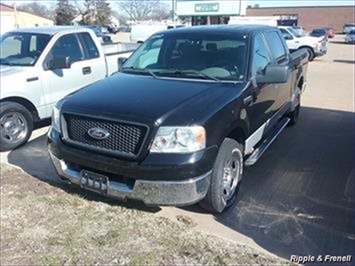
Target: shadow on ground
x,y
344,61
298,199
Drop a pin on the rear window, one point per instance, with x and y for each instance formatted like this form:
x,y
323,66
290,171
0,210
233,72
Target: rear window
x,y
90,46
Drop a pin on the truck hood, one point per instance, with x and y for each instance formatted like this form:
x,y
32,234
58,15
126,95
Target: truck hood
x,y
310,39
11,70
144,98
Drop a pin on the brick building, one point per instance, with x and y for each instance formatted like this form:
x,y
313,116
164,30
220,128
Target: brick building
x,y
308,17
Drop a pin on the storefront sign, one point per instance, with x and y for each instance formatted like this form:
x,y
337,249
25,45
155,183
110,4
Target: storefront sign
x,y
210,7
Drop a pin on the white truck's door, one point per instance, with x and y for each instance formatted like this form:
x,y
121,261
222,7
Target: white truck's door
x,y
291,41
86,67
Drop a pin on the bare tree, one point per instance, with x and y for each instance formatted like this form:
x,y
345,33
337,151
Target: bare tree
x,y
37,9
139,9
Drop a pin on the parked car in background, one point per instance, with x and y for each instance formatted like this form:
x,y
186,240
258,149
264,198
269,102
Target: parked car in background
x,y
113,29
350,37
104,38
348,27
39,66
319,32
316,46
330,31
189,109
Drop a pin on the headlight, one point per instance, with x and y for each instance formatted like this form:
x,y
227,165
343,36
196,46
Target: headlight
x,y
56,118
179,140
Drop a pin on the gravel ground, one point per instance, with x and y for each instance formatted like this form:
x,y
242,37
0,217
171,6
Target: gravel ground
x,y
44,224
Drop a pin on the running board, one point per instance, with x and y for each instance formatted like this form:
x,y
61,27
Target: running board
x,y
255,156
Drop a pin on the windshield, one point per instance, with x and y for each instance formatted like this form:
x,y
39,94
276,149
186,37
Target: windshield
x,y
295,32
352,32
197,55
22,49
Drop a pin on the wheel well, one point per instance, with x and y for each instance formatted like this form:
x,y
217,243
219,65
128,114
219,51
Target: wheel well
x,y
300,83
238,135
26,103
306,47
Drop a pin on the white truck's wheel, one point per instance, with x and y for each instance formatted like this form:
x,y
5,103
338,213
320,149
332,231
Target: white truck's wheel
x,y
16,125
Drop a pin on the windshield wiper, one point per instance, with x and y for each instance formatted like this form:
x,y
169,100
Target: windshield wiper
x,y
140,70
187,72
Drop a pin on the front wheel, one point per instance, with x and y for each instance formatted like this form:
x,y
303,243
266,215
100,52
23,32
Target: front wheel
x,y
16,125
226,176
310,54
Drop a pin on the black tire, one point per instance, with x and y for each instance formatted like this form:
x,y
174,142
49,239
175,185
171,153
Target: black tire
x,y
215,201
7,109
310,54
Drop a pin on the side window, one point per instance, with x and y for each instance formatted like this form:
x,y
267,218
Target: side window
x,y
11,46
67,45
91,49
286,34
260,55
276,45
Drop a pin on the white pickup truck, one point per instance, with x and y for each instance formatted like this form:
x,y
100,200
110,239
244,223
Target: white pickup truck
x,y
39,66
316,46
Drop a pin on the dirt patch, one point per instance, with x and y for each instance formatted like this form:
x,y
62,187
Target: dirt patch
x,y
44,224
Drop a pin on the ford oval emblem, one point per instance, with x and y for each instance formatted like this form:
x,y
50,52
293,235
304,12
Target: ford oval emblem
x,y
98,133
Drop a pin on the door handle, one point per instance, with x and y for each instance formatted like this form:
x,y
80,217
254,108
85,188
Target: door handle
x,y
248,100
86,70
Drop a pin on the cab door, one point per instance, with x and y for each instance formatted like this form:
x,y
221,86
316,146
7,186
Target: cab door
x,y
260,99
280,57
60,82
291,41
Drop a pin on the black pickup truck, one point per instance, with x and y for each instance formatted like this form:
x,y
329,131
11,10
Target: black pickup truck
x,y
186,112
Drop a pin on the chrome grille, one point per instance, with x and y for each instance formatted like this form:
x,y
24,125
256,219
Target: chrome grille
x,y
124,138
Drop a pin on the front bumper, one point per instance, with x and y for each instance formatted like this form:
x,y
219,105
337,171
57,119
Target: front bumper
x,y
177,193
154,181
321,51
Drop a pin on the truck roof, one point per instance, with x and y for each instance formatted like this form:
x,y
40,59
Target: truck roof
x,y
239,29
52,30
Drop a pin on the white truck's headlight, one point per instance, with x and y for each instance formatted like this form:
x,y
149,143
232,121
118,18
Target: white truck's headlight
x,y
179,140
56,118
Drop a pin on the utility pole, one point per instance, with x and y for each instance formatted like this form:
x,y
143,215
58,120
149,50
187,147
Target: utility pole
x,y
15,16
173,9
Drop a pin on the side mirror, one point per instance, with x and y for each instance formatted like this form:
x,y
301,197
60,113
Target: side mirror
x,y
60,63
288,37
274,74
120,62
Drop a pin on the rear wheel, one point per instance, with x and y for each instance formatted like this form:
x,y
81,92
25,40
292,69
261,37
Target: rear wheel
x,y
16,125
226,176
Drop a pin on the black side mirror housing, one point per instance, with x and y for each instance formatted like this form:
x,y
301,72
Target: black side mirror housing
x,y
60,63
120,62
274,74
